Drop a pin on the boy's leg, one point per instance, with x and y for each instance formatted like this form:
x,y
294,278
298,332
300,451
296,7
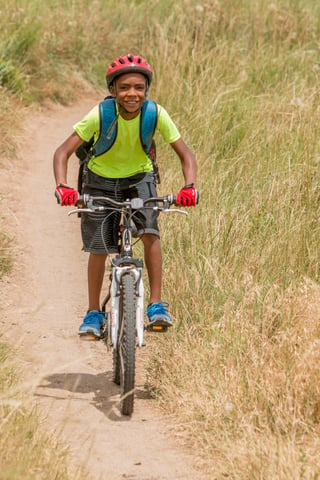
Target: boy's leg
x,y
153,260
148,230
100,237
157,310
96,270
93,320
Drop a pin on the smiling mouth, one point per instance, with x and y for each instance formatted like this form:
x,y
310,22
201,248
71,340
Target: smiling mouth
x,y
132,105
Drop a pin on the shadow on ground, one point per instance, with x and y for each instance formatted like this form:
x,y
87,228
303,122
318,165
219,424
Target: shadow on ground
x,y
106,393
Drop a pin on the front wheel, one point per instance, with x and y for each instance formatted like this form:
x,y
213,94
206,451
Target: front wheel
x,y
127,342
116,365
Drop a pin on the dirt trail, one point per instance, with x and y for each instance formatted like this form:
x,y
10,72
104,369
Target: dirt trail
x,y
44,302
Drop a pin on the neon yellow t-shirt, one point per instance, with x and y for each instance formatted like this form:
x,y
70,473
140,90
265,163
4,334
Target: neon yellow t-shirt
x,y
126,157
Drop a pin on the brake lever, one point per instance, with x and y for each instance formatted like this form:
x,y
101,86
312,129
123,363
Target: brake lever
x,y
175,210
80,210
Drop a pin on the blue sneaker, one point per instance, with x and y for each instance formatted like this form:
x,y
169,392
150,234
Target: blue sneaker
x,y
158,314
92,324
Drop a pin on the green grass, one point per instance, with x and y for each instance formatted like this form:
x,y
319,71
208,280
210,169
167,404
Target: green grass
x,y
240,370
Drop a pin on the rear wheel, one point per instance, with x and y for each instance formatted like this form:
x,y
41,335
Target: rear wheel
x,y
127,342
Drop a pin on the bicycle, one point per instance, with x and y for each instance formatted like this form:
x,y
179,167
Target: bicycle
x,y
123,327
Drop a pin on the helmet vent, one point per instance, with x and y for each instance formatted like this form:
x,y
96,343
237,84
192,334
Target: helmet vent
x,y
128,63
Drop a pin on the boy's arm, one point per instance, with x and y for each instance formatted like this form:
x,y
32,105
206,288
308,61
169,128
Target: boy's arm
x,y
65,195
188,161
62,155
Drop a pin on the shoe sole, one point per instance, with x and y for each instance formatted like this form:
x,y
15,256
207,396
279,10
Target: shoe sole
x,y
90,333
161,322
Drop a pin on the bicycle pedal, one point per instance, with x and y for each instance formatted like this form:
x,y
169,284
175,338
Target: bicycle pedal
x,y
157,328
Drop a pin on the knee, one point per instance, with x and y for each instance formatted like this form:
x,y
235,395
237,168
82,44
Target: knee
x,y
149,239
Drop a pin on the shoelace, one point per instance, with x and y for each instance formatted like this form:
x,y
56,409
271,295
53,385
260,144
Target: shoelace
x,y
94,317
159,307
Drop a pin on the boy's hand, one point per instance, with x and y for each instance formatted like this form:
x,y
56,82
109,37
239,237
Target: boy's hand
x,y
66,195
188,196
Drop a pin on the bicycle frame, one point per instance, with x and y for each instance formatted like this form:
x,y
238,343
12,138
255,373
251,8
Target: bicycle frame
x,y
124,325
120,267
125,260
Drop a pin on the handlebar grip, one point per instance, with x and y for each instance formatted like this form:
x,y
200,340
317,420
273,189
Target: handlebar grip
x,y
171,199
82,200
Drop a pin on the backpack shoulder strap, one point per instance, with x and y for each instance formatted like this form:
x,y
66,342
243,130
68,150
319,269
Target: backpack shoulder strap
x,y
148,123
108,126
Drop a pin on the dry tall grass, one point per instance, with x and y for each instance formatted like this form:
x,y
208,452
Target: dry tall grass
x,y
25,452
240,370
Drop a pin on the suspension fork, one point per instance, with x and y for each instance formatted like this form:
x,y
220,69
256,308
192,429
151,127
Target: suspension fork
x,y
116,276
139,307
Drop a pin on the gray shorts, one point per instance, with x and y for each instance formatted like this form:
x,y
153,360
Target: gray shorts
x,y
100,230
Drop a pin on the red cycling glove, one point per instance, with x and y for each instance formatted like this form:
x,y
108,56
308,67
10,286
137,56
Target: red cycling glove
x,y
66,195
188,196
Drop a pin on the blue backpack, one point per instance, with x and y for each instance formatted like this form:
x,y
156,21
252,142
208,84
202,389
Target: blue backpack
x,y
109,131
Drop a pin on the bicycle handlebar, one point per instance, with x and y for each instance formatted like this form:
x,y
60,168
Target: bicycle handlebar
x,y
87,203
135,203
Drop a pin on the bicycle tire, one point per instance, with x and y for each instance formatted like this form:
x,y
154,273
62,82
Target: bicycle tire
x,y
127,343
116,361
116,365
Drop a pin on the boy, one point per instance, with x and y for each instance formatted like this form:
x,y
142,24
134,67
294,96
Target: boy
x,y
123,171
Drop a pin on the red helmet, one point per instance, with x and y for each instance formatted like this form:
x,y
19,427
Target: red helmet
x,y
126,64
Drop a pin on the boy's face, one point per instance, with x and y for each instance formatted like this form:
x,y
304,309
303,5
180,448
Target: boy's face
x,y
130,90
